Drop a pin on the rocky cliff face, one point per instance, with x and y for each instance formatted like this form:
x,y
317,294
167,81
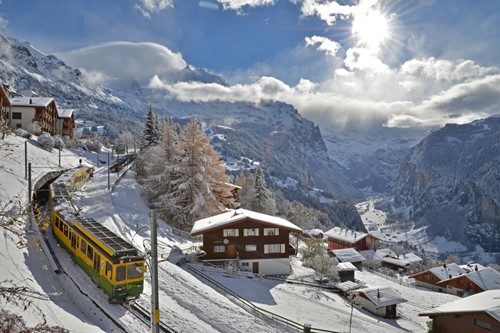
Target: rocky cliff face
x,y
450,181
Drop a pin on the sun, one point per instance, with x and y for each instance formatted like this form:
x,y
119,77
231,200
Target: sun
x,y
371,29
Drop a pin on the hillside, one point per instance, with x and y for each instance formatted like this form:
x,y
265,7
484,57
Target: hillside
x,y
450,182
187,303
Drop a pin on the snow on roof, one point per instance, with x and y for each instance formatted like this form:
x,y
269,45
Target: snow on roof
x,y
348,255
382,296
447,271
368,254
346,235
348,285
31,101
396,262
345,267
65,113
471,267
486,279
236,215
411,257
487,301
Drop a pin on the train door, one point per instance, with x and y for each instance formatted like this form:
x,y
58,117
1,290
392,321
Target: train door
x,y
97,261
72,237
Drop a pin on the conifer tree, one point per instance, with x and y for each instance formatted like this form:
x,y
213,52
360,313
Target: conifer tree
x,y
151,134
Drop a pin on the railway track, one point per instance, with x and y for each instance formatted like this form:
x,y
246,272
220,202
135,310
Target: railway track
x,y
143,314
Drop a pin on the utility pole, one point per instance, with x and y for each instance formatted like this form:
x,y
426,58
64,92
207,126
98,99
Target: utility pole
x,y
30,199
155,307
108,174
25,159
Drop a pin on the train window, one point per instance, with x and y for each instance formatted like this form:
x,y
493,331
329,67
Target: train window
x,y
134,271
120,273
109,270
83,246
60,225
90,252
66,230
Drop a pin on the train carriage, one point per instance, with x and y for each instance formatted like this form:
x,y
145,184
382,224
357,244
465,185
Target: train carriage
x,y
110,261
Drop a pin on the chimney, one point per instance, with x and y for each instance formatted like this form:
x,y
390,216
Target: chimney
x,y
476,269
378,293
31,102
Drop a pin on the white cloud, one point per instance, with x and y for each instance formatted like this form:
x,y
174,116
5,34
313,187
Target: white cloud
x,y
140,61
328,12
238,5
329,46
148,7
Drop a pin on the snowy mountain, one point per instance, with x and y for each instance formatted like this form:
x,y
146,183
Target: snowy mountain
x,y
271,133
450,182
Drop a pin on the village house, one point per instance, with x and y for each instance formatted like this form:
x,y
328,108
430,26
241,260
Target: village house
x,y
339,238
349,255
65,124
380,301
346,271
4,104
431,277
472,283
27,110
476,313
256,242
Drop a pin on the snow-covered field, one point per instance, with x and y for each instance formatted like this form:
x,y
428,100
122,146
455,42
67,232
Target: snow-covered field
x,y
187,303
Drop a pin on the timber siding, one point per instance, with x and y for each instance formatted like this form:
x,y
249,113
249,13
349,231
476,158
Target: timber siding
x,y
236,246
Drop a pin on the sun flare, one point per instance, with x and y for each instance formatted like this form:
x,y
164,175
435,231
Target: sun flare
x,y
371,29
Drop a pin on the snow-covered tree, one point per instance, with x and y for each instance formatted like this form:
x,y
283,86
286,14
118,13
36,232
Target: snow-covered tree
x,y
247,192
58,142
264,200
4,128
46,141
35,128
125,139
151,134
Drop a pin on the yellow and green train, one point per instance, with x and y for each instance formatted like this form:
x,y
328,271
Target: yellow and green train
x,y
113,263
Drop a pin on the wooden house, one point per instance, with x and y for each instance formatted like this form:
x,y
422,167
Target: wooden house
x,y
348,255
380,301
4,104
431,277
257,242
339,238
476,313
472,283
65,124
26,110
346,271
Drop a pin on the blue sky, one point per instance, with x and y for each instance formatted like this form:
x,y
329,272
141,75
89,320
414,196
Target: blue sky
x,y
390,62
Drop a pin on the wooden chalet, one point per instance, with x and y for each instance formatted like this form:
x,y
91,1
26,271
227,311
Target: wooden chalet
x,y
65,124
256,242
472,283
339,238
4,104
476,313
349,255
431,277
26,110
380,301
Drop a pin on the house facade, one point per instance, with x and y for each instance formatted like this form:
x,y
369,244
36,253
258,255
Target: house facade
x,y
26,110
4,106
257,242
65,124
339,238
381,301
477,313
472,283
431,277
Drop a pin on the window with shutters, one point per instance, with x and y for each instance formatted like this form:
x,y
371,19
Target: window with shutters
x,y
251,232
231,232
219,248
271,231
274,248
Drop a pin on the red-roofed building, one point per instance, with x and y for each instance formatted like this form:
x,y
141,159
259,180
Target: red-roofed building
x,y
472,283
339,238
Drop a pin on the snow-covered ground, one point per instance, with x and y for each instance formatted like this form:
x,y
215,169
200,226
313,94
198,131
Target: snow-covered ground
x,y
187,303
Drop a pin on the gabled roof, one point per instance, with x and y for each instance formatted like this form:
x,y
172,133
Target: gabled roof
x,y
487,301
396,262
382,296
411,257
237,215
445,272
348,286
348,255
65,113
486,279
31,101
346,235
345,267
